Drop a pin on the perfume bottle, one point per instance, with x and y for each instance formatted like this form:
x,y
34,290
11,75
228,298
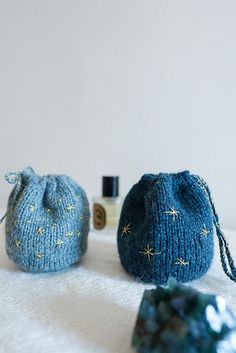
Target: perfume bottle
x,y
107,208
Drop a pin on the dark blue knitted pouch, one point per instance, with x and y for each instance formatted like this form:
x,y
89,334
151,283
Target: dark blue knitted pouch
x,y
47,221
166,229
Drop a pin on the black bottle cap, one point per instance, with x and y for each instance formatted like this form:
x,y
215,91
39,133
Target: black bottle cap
x,y
110,186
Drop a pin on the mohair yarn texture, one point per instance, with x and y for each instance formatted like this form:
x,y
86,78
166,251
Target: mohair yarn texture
x,y
166,229
47,221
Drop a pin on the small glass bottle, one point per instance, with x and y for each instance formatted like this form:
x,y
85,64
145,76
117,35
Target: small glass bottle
x,y
107,208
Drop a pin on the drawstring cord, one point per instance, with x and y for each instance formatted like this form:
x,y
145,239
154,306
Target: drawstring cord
x,y
15,178
6,213
2,219
225,255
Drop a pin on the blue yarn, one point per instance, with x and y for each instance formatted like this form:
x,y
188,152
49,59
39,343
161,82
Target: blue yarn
x,y
47,221
166,229
225,255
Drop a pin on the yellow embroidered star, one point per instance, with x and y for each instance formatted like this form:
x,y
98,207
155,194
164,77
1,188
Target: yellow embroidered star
x,y
126,229
59,242
78,234
39,255
149,252
205,231
40,231
32,208
172,213
18,243
70,207
181,262
69,234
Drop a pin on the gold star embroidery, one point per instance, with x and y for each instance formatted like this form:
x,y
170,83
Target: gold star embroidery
x,y
18,243
181,262
40,231
70,207
172,213
78,234
59,243
54,225
39,255
81,217
69,234
149,252
15,222
205,231
29,222
49,210
126,229
32,208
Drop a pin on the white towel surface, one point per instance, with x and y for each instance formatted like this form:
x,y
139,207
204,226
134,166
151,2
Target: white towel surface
x,y
89,308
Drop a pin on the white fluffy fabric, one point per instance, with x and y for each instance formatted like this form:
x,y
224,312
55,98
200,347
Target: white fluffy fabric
x,y
89,308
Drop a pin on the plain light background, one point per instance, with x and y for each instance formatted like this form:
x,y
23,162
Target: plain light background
x,y
93,87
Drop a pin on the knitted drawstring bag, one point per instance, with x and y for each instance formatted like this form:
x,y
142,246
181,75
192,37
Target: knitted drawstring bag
x,y
166,229
47,221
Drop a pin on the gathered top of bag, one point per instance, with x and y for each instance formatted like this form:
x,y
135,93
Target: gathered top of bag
x,y
47,221
166,229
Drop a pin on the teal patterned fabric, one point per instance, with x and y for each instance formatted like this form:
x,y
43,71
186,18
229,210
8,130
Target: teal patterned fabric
x,y
47,221
179,319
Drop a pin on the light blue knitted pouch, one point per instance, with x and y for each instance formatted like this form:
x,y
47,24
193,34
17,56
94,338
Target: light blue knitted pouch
x,y
47,221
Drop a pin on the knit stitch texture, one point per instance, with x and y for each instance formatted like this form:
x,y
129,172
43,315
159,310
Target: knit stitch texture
x,y
166,229
47,221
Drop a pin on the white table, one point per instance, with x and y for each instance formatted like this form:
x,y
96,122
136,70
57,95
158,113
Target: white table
x,y
89,308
